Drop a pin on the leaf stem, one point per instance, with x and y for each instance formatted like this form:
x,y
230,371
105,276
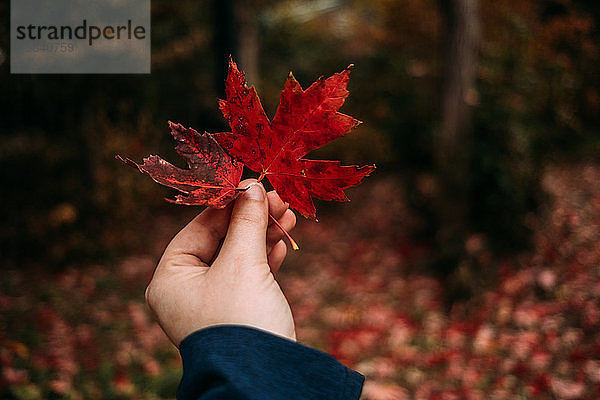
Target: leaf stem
x,y
287,235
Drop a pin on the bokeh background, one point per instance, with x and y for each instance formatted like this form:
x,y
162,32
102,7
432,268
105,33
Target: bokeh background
x,y
465,267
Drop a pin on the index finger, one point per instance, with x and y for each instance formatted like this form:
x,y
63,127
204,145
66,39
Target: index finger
x,y
277,207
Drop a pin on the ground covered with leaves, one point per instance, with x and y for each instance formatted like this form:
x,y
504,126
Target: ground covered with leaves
x,y
357,290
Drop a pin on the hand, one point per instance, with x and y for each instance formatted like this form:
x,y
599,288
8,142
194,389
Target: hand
x,y
190,291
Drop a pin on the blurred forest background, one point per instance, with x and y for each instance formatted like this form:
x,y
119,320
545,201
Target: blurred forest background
x,y
483,118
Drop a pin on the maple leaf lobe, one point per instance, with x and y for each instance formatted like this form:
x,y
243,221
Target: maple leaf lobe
x,y
317,178
305,120
212,177
308,119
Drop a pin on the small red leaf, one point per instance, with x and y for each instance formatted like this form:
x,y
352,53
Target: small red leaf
x,y
213,175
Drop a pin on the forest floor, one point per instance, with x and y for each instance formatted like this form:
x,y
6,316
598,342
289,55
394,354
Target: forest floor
x,y
358,290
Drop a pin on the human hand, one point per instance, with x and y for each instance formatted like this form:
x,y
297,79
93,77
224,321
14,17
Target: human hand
x,y
190,291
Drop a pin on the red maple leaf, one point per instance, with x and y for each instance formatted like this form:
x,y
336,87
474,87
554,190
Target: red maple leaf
x,y
212,177
305,120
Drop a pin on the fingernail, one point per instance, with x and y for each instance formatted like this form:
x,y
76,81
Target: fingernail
x,y
255,191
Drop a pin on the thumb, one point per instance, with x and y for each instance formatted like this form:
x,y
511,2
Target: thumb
x,y
246,235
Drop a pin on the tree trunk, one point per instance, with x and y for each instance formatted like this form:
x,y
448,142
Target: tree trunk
x,y
225,40
235,34
453,145
246,18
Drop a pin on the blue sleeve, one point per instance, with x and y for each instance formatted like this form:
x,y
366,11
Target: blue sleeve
x,y
237,362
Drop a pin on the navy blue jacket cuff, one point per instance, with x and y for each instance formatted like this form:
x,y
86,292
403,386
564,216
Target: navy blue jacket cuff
x,y
238,362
